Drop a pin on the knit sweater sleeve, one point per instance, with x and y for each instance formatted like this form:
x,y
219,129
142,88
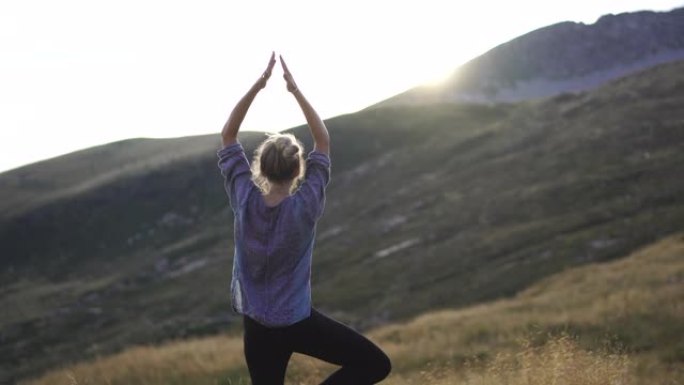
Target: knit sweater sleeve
x,y
312,190
236,172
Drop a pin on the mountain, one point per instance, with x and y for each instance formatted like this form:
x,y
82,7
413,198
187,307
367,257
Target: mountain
x,y
564,57
429,207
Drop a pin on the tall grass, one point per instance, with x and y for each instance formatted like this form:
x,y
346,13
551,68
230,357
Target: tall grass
x,y
561,361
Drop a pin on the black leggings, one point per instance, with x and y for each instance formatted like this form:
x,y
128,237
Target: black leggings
x,y
268,350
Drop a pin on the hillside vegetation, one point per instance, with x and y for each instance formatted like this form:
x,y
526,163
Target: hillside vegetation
x,y
611,323
431,207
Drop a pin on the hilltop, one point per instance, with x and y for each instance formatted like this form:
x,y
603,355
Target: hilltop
x,y
563,57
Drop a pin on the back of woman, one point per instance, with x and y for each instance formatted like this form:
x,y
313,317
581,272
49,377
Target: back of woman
x,y
273,244
276,203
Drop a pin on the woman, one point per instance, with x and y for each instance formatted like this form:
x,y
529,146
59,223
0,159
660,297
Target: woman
x,y
276,204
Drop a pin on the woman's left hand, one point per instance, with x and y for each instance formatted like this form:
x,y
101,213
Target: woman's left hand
x,y
261,82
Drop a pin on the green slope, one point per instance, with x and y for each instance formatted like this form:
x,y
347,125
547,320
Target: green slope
x,y
602,323
429,207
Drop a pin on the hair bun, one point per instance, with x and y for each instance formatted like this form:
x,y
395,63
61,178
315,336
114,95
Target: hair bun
x,y
291,150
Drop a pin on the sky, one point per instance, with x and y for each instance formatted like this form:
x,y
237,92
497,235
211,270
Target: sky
x,y
75,74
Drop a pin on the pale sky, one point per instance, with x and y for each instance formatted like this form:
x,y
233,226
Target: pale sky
x,y
74,74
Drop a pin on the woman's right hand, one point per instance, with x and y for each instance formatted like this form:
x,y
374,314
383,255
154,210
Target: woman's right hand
x,y
316,125
291,85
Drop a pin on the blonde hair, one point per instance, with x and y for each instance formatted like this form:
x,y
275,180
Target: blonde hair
x,y
278,159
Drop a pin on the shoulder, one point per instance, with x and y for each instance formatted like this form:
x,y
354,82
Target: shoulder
x,y
317,156
230,149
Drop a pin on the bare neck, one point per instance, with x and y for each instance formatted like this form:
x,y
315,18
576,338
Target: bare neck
x,y
280,188
277,193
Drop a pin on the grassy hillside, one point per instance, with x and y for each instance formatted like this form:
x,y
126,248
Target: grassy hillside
x,y
429,207
619,323
43,182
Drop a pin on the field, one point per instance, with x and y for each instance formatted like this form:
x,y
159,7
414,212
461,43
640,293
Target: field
x,y
619,322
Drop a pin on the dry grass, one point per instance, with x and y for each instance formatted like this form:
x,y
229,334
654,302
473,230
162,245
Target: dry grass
x,y
559,362
170,363
613,323
638,300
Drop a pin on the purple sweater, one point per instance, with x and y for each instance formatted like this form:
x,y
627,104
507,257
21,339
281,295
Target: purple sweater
x,y
271,279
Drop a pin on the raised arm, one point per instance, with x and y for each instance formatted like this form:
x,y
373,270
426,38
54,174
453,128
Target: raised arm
x,y
232,126
318,130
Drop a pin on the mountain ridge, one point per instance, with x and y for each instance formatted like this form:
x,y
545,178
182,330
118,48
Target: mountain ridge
x,y
563,57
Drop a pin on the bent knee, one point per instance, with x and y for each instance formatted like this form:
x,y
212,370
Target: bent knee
x,y
382,366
